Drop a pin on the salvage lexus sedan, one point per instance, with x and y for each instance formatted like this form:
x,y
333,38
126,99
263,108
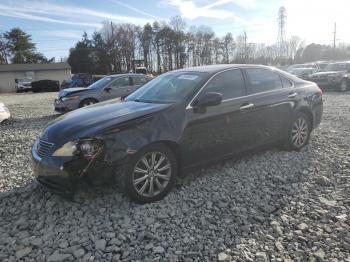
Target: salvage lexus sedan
x,y
177,121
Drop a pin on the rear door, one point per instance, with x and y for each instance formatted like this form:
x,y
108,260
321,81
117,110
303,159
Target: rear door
x,y
118,88
272,99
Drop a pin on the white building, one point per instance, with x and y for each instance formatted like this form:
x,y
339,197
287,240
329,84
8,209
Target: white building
x,y
53,71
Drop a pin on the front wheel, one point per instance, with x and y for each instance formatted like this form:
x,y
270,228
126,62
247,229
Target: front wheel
x,y
87,102
151,174
299,132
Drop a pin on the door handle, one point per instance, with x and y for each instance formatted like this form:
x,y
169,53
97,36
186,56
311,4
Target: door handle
x,y
292,95
246,106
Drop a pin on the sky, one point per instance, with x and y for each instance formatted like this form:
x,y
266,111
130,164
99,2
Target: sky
x,y
56,26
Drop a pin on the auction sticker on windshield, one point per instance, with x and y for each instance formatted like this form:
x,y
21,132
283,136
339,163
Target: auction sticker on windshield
x,y
187,77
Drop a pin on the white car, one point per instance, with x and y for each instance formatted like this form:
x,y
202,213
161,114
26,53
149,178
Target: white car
x,y
4,112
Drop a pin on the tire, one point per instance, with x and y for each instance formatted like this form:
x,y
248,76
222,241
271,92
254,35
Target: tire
x,y
301,124
87,102
137,183
344,85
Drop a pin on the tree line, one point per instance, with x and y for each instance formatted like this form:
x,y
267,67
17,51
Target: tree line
x,y
17,47
164,46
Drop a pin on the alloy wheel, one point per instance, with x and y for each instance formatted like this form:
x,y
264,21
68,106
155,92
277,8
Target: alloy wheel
x,y
300,132
151,174
88,103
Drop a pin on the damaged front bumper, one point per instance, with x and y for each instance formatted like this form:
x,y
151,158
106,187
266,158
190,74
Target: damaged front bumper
x,y
52,174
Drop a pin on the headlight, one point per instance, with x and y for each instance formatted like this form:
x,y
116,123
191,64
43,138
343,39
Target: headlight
x,y
69,98
87,147
68,149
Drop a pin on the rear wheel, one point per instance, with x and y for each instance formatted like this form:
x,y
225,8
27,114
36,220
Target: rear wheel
x,y
151,173
299,132
344,85
87,102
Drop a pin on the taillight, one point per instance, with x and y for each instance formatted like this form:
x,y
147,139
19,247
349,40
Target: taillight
x,y
319,91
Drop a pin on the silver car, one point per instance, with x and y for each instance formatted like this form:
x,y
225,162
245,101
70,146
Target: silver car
x,y
109,87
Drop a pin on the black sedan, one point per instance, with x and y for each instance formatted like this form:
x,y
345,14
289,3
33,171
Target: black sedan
x,y
179,120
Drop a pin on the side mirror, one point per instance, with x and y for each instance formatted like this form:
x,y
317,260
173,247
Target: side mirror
x,y
107,89
208,99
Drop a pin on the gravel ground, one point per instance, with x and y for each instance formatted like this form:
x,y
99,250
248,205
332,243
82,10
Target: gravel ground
x,y
270,206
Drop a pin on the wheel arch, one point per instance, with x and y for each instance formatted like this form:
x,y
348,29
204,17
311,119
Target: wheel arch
x,y
309,114
88,98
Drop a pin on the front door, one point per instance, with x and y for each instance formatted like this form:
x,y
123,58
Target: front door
x,y
219,130
118,88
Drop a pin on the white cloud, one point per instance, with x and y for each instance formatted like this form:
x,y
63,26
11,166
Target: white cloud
x,y
62,34
190,10
47,19
82,16
313,20
135,9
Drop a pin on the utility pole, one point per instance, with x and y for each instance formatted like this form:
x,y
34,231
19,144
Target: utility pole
x,y
245,46
334,40
334,35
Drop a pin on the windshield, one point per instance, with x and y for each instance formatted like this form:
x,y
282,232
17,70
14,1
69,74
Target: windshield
x,y
102,82
168,88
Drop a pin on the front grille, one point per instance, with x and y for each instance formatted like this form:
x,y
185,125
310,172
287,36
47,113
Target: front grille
x,y
43,147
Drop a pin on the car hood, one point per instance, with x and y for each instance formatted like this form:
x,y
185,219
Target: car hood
x,y
70,91
327,73
89,121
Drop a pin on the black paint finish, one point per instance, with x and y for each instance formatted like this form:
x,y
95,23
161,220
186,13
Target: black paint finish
x,y
196,135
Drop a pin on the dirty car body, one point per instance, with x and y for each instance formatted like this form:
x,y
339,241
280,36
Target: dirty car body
x,y
98,141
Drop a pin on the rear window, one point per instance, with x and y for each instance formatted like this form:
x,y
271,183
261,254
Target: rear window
x,y
285,82
262,80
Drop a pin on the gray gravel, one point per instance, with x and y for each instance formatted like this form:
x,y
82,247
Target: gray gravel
x,y
270,206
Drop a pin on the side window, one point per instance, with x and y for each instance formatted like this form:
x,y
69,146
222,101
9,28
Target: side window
x,y
140,80
229,83
120,82
286,83
262,80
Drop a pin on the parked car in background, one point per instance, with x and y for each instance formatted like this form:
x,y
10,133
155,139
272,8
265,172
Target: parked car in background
x,y
78,80
335,76
308,65
109,87
177,121
45,86
4,112
321,65
23,84
303,73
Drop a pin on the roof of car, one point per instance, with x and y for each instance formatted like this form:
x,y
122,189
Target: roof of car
x,y
343,62
218,68
128,74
